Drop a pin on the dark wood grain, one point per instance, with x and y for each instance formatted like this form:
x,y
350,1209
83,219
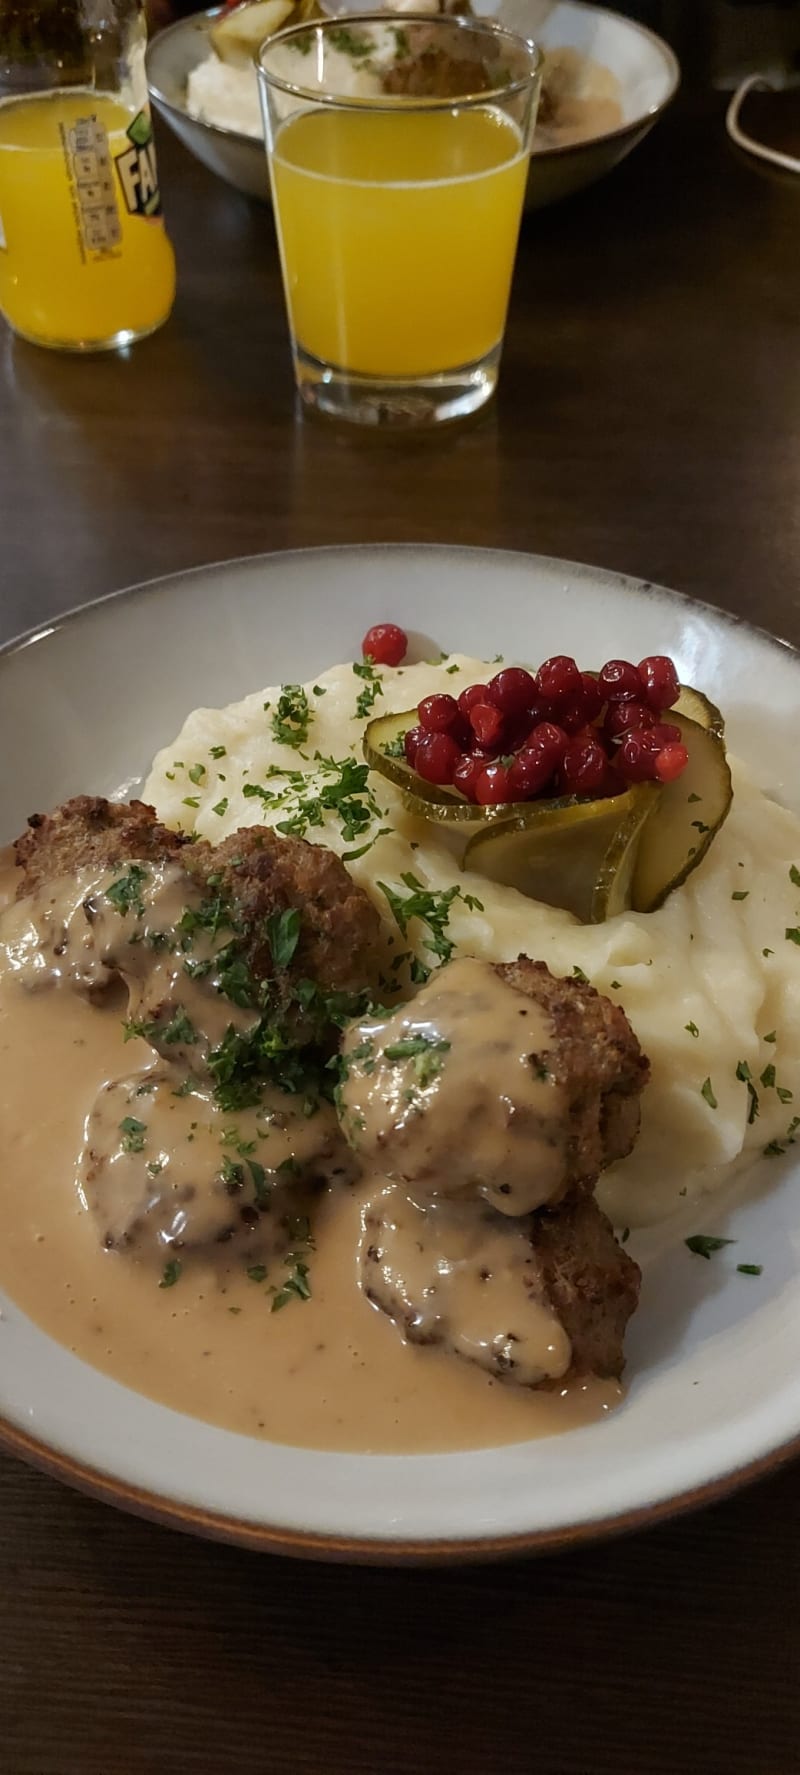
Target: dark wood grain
x,y
648,421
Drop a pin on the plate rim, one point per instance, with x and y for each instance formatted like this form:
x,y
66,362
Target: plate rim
x,y
630,582
182,1515
237,1531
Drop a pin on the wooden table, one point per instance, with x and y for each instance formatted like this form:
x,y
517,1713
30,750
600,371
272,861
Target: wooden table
x,y
647,420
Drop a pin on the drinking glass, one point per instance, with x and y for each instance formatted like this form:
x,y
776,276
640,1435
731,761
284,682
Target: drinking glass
x,y
398,153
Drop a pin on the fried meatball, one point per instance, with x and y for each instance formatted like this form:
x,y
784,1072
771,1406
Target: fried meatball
x,y
494,1082
535,1301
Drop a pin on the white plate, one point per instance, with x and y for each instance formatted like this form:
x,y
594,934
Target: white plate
x,y
713,1365
646,68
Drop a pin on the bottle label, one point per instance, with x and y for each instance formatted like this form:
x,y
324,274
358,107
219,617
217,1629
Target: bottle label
x,y
91,178
137,170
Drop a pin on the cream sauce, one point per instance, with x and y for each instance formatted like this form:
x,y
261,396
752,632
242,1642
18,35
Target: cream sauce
x,y
327,1372
450,1274
84,931
164,1171
451,1092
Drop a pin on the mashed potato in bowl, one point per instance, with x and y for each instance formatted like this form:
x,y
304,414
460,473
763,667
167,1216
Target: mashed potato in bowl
x,y
710,982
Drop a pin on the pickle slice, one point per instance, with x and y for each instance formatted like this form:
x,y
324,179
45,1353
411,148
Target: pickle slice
x,y
594,858
579,855
389,730
690,813
238,34
699,708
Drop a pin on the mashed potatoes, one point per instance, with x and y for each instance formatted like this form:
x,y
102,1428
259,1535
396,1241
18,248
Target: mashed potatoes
x,y
711,982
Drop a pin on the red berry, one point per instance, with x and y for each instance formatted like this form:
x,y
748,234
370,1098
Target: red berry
x,y
474,693
671,762
512,690
592,696
493,786
411,740
636,759
619,681
529,774
572,713
539,709
664,733
623,718
659,681
549,741
584,767
437,757
385,644
487,723
438,714
470,766
558,677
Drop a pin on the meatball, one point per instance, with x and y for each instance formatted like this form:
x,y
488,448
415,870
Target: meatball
x,y
535,1301
500,1083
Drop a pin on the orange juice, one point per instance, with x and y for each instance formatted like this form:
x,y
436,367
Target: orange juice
x,y
398,231
84,256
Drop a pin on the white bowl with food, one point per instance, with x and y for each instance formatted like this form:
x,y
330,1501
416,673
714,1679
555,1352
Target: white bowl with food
x,y
507,1259
606,82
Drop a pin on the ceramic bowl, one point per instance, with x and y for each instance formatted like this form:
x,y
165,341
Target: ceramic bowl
x,y
645,67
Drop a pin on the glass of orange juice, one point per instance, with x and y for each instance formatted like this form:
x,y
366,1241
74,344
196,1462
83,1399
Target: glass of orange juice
x,y
398,150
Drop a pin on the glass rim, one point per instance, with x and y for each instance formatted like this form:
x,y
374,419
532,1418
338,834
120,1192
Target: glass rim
x,y
402,102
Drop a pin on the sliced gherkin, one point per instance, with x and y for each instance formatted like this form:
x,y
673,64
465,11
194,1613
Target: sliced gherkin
x,y
690,813
579,855
594,858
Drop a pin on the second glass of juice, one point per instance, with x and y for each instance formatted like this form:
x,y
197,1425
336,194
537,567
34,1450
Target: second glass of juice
x,y
398,157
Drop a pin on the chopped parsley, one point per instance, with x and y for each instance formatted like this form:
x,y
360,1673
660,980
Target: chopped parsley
x,y
218,751
373,688
707,1091
178,1029
347,795
172,1271
794,875
432,909
694,797
578,974
741,894
349,43
296,1286
772,1037
412,1045
702,1244
257,1272
290,723
133,1134
283,935
692,1029
792,935
749,1269
744,1074
395,748
126,893
783,1093
197,773
220,807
